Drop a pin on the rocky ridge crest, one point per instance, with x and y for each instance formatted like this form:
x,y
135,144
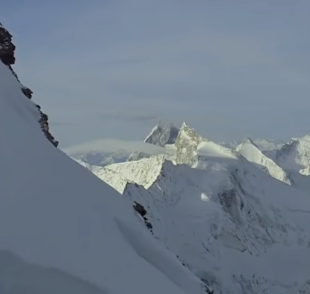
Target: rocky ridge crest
x,y
7,56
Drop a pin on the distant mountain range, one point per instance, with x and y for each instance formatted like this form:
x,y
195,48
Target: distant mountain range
x,y
236,217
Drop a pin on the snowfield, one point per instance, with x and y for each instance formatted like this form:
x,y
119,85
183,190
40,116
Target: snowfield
x,y
62,229
227,214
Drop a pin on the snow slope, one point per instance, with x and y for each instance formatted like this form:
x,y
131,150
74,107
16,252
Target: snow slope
x,y
252,153
233,225
56,214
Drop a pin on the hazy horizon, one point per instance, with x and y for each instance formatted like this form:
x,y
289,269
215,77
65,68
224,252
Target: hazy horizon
x,y
112,69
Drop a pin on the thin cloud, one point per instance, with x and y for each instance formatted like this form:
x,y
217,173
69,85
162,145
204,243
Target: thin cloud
x,y
115,145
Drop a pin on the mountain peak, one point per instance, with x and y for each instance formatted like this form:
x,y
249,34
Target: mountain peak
x,y
163,133
250,151
295,154
248,140
186,144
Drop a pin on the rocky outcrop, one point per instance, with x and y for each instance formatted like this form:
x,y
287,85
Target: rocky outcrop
x,y
7,56
142,211
7,48
186,144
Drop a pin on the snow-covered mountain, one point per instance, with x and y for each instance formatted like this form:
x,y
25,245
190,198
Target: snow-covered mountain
x,y
164,133
62,230
106,152
225,213
294,155
249,150
262,144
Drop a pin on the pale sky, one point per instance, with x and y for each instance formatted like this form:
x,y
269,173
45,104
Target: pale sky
x,y
112,69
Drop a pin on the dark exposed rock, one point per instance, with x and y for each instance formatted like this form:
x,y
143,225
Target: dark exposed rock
x,y
7,56
7,48
142,211
27,92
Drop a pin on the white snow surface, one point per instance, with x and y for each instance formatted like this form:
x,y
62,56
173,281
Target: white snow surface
x,y
56,214
232,224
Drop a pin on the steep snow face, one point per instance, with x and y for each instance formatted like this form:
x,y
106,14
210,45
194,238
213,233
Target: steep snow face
x,y
143,172
231,224
295,155
56,214
252,153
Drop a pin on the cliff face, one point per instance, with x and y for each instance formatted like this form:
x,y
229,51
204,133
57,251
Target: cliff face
x,y
7,56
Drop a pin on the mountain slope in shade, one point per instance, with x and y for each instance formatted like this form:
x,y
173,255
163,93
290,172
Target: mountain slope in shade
x,y
252,153
60,225
234,226
164,133
295,155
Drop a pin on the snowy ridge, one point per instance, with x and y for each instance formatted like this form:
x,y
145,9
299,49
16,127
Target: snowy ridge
x,y
228,221
217,218
143,172
252,153
55,214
